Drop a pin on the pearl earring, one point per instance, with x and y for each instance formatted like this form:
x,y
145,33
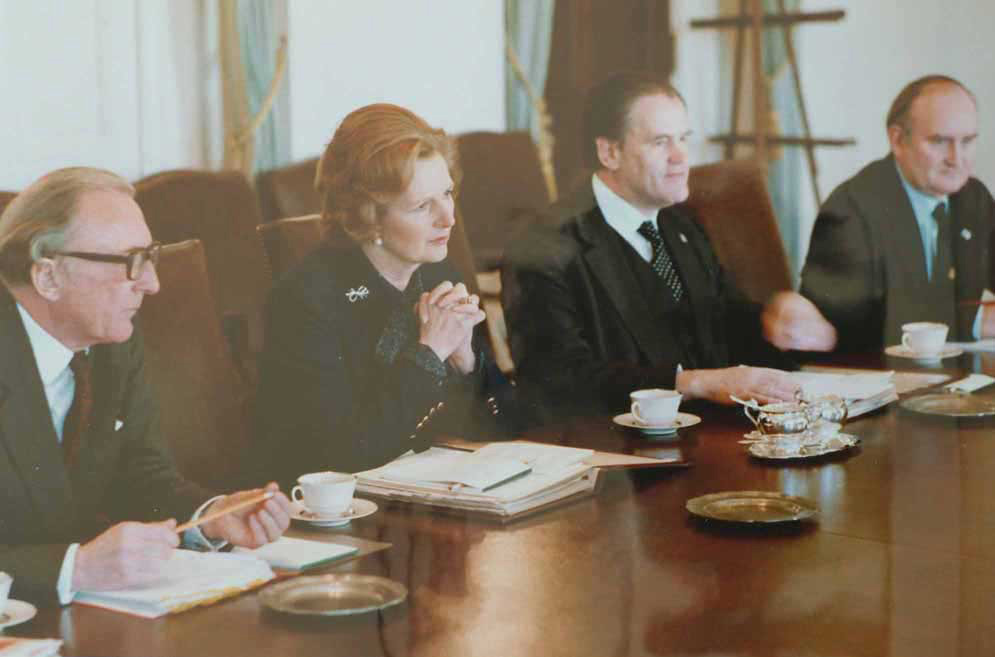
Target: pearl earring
x,y
378,241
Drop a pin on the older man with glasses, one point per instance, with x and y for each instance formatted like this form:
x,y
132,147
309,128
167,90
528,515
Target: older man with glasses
x,y
90,493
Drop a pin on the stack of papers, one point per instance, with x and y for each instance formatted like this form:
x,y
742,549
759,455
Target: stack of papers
x,y
501,479
15,647
863,392
188,580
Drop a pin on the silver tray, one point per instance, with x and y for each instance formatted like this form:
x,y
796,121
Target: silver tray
x,y
951,404
761,450
751,506
333,595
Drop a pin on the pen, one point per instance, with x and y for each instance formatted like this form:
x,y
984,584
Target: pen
x,y
262,497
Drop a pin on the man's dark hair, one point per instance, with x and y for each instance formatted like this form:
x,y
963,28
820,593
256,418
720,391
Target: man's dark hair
x,y
899,112
606,113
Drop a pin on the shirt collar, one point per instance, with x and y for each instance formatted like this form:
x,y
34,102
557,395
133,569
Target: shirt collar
x,y
922,203
618,212
51,355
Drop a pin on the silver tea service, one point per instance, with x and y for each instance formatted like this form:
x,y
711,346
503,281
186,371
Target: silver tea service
x,y
796,416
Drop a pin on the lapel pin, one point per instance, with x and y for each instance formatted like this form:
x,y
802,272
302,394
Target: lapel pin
x,y
683,238
952,274
355,294
965,233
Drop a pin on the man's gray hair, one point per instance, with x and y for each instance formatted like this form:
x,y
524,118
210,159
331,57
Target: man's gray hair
x,y
34,224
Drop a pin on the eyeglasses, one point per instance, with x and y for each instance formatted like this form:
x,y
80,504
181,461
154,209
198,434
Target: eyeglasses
x,y
134,261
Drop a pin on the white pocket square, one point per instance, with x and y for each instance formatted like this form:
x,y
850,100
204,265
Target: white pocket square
x,y
118,424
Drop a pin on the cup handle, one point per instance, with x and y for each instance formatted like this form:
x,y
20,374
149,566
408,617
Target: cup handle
x,y
905,342
293,494
635,413
754,420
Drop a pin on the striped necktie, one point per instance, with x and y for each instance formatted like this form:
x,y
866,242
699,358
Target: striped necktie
x,y
662,263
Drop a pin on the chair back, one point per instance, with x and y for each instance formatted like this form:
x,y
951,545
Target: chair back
x,y
502,187
731,202
288,191
203,402
287,241
220,209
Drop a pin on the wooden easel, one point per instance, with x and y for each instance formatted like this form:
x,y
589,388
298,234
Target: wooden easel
x,y
757,20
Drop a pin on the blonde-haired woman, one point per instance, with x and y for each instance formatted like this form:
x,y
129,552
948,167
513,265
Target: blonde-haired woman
x,y
369,343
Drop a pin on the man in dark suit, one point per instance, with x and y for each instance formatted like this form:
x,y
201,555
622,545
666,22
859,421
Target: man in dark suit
x,y
621,289
907,238
82,459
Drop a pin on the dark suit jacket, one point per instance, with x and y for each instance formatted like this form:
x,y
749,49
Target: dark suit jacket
x,y
120,474
326,399
584,334
866,269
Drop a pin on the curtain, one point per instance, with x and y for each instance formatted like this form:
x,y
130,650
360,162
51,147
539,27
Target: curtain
x,y
529,30
261,23
787,162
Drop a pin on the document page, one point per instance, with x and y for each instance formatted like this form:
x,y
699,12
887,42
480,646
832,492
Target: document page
x,y
445,466
847,386
543,459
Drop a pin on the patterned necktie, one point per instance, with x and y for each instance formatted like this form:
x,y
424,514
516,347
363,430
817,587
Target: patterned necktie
x,y
662,263
943,247
81,412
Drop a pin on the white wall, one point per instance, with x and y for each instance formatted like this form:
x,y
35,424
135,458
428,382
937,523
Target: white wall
x,y
133,85
109,83
851,71
701,76
443,59
69,73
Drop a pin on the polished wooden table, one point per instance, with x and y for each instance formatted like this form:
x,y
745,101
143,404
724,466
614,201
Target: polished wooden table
x,y
900,562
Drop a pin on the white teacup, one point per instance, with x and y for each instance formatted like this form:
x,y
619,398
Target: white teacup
x,y
5,582
325,493
655,406
926,338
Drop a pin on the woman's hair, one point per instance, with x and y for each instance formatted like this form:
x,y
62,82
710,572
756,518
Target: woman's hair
x,y
36,221
370,161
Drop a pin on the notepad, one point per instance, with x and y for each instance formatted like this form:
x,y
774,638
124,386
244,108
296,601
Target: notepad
x,y
971,382
299,554
18,647
188,579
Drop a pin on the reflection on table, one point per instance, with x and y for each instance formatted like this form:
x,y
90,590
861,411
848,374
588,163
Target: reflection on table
x,y
900,561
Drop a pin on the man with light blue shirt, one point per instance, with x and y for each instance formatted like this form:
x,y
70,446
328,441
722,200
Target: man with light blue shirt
x,y
90,495
907,239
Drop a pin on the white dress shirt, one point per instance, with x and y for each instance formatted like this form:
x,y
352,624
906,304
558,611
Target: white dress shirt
x,y
52,358
623,217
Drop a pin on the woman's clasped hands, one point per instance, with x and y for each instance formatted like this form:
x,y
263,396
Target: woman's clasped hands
x,y
446,318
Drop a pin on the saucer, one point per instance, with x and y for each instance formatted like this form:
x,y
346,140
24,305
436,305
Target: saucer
x,y
359,509
683,420
901,351
16,612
